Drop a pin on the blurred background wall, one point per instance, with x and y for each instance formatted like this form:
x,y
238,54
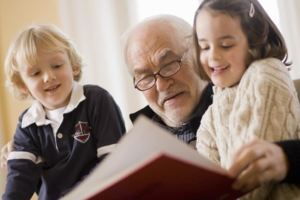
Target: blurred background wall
x,y
15,15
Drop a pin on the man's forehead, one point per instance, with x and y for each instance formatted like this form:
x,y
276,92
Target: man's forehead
x,y
166,53
157,46
148,48
142,64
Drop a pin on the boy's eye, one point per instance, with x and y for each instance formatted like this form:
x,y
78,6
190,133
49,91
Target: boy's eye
x,y
35,73
57,66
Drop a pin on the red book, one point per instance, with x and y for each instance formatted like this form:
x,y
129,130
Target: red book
x,y
150,163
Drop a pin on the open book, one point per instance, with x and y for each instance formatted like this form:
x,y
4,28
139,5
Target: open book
x,y
150,163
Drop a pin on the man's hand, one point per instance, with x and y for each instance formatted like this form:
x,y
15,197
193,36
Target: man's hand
x,y
5,150
257,163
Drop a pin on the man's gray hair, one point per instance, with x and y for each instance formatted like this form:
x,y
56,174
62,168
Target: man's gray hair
x,y
179,25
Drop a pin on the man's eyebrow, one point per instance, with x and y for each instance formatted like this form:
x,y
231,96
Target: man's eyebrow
x,y
165,54
162,56
141,71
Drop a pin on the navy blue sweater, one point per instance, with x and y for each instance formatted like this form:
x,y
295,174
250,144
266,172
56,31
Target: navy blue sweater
x,y
96,123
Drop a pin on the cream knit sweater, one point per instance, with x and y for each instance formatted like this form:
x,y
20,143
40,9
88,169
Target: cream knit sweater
x,y
263,104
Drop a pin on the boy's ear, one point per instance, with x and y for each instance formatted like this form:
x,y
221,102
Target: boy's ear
x,y
22,87
76,71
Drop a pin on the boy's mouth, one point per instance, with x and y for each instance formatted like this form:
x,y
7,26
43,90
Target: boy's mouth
x,y
52,88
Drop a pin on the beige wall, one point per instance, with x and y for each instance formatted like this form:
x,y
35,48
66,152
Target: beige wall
x,y
14,16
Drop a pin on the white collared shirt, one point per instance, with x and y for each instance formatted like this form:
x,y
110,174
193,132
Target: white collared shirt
x,y
40,116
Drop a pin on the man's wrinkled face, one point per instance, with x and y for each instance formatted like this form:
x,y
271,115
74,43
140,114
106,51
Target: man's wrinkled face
x,y
173,98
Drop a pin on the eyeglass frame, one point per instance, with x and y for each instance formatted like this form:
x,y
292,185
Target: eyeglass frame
x,y
178,62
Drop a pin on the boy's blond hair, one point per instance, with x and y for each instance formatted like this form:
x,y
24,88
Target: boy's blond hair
x,y
24,52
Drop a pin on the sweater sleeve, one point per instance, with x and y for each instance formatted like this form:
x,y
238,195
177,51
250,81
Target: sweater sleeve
x,y
206,141
292,151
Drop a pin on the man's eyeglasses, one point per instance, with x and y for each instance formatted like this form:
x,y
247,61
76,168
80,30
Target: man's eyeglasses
x,y
166,71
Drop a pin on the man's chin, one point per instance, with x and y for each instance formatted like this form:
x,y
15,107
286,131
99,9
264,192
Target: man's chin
x,y
177,101
176,119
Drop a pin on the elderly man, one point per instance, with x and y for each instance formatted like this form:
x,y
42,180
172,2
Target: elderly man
x,y
161,59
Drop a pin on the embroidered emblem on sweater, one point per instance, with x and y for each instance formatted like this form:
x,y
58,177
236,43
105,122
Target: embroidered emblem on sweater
x,y
82,132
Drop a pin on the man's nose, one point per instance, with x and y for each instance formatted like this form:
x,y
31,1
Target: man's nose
x,y
162,83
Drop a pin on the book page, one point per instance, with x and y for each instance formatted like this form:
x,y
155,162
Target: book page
x,y
142,143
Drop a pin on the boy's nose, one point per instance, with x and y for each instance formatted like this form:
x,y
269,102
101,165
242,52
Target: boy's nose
x,y
49,76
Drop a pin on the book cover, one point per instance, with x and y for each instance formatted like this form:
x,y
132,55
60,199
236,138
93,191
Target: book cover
x,y
150,163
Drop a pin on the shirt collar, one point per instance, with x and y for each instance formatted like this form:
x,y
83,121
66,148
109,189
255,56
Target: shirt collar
x,y
36,113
